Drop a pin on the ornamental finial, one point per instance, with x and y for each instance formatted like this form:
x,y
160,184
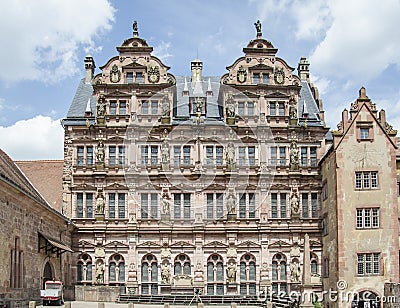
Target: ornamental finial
x,y
135,29
258,28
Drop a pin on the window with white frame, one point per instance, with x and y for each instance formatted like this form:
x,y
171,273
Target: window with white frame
x,y
122,107
247,275
308,199
84,155
182,265
247,205
84,205
368,264
84,268
367,218
214,155
116,269
145,107
215,205
215,275
272,108
116,205
247,156
149,155
279,274
149,205
116,155
278,205
366,180
113,107
182,206
149,274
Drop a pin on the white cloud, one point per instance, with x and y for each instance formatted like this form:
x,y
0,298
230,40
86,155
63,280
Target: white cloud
x,y
36,138
161,51
361,42
44,36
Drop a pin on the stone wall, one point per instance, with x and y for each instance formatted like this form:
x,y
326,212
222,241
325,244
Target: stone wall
x,y
96,293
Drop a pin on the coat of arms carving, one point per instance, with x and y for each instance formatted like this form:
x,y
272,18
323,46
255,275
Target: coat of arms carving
x,y
115,74
153,73
241,74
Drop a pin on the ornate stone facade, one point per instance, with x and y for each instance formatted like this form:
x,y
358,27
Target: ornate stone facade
x,y
206,183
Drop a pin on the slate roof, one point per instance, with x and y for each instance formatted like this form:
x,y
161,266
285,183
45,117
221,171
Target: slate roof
x,y
84,92
308,104
197,89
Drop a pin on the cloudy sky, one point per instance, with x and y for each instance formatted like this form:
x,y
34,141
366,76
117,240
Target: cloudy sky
x,y
349,44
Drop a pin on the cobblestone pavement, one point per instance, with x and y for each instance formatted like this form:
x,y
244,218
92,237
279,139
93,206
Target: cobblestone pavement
x,y
115,305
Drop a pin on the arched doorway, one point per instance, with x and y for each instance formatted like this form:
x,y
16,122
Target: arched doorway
x,y
47,273
366,299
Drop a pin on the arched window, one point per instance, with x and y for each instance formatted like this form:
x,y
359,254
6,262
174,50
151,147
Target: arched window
x,y
182,265
215,275
149,275
84,274
116,267
314,264
247,275
279,274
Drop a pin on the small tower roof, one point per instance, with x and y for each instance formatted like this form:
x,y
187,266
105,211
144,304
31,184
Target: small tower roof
x,y
209,85
185,87
88,108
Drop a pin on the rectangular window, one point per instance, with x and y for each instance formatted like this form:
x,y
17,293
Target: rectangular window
x,y
281,109
272,108
304,204
364,133
144,206
177,206
368,264
145,107
313,156
242,206
186,155
121,205
89,155
81,155
111,205
283,205
209,155
121,155
186,206
122,108
314,205
210,206
154,155
220,205
89,205
256,78
219,151
241,109
129,77
303,151
154,205
79,205
366,180
250,109
274,205
113,107
265,78
139,77
145,155
154,107
112,151
282,156
177,156
242,156
367,218
252,155
273,156
252,205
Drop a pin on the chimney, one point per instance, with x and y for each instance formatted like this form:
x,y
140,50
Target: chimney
x,y
303,69
345,119
197,67
89,66
382,116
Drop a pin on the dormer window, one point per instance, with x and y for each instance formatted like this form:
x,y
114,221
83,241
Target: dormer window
x,y
197,105
209,93
129,77
364,133
139,77
265,78
185,93
256,78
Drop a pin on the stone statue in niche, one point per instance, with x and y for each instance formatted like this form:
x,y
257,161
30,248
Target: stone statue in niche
x,y
165,206
230,156
100,203
295,271
231,204
165,273
101,106
165,109
231,273
294,156
165,156
100,152
230,107
294,204
99,273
